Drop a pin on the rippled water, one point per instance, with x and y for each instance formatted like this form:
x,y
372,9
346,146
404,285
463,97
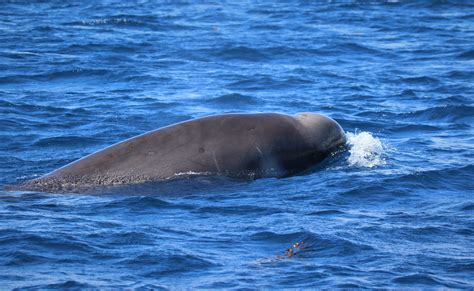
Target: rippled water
x,y
395,210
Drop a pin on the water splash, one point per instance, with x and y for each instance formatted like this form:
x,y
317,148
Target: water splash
x,y
365,150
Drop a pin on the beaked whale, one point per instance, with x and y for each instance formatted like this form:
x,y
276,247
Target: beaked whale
x,y
234,145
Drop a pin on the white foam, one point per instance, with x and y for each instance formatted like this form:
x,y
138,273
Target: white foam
x,y
365,150
191,173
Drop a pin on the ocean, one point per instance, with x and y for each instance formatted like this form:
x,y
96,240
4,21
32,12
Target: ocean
x,y
395,210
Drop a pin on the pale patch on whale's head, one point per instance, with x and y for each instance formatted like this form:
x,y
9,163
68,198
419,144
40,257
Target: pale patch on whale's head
x,y
324,133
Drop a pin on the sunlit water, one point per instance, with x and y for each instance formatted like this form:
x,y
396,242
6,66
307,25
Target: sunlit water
x,y
393,210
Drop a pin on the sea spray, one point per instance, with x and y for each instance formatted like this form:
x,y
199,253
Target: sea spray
x,y
365,150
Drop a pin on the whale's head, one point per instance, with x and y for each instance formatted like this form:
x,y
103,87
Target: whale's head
x,y
324,133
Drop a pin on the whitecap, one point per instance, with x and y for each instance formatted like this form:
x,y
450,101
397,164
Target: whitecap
x,y
365,150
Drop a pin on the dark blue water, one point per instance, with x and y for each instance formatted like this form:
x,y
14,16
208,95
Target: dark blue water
x,y
395,210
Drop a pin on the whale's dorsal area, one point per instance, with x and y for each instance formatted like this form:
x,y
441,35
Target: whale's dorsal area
x,y
234,145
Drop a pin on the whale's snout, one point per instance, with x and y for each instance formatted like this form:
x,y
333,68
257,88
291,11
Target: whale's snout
x,y
324,133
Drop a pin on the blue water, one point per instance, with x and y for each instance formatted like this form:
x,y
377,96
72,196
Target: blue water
x,y
395,210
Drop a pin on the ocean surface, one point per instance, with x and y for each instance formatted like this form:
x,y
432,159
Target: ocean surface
x,y
395,210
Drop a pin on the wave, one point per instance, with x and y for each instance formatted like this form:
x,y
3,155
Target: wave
x,y
265,53
452,109
356,49
456,178
455,100
421,279
166,262
28,108
467,206
68,284
149,22
46,242
20,258
122,48
240,210
327,212
422,80
410,129
446,113
144,203
55,75
457,74
314,245
467,55
242,53
18,55
67,141
234,99
365,150
266,82
416,183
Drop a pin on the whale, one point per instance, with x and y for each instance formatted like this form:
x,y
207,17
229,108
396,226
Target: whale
x,y
236,145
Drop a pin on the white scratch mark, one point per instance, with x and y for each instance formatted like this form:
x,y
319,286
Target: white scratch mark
x,y
215,161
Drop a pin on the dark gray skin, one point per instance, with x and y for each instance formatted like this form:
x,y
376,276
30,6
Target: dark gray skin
x,y
234,145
